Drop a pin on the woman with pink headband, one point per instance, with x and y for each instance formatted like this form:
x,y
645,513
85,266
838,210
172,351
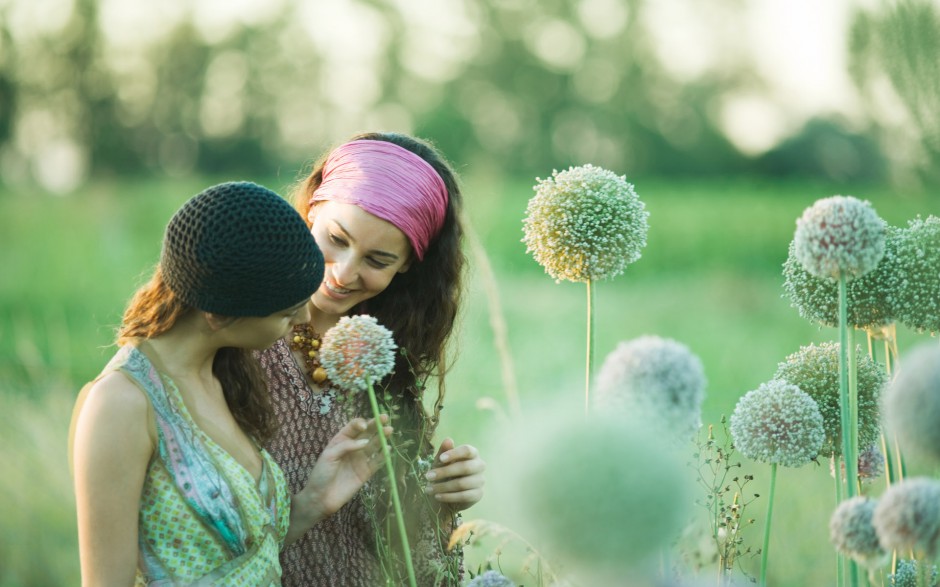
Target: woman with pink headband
x,y
384,209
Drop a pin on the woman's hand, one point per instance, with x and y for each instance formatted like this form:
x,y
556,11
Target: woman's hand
x,y
457,476
348,461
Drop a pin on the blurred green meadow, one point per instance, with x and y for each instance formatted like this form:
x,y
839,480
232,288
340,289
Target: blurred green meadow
x,y
709,278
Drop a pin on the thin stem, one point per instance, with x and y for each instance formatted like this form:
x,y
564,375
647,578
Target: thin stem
x,y
590,347
770,512
393,487
840,558
848,395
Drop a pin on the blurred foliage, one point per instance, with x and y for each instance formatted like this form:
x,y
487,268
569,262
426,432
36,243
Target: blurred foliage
x,y
92,88
899,42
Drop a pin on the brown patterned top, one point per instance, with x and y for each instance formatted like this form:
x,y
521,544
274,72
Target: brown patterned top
x,y
340,551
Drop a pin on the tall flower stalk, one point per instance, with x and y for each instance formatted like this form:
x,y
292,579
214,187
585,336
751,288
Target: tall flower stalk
x,y
583,225
777,424
356,353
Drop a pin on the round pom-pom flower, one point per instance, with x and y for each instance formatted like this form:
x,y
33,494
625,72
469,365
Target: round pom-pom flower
x,y
853,534
912,402
491,579
839,235
907,517
585,224
906,575
871,464
777,424
659,378
357,352
870,299
918,293
815,370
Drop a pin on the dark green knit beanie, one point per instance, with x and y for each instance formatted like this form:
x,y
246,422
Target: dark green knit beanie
x,y
239,249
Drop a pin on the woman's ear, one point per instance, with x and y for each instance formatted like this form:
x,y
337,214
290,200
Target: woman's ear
x,y
216,321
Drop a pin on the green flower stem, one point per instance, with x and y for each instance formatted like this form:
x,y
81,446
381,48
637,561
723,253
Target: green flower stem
x,y
849,408
840,558
393,486
770,513
590,347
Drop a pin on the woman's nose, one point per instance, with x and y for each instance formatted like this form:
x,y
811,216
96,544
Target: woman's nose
x,y
345,269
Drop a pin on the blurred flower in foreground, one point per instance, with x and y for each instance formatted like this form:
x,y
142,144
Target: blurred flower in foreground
x,y
912,402
491,579
777,424
870,298
357,352
585,224
871,464
659,379
839,235
815,370
918,304
852,533
601,495
907,517
906,575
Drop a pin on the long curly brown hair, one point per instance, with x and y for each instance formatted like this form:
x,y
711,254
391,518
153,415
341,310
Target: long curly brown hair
x,y
420,305
154,309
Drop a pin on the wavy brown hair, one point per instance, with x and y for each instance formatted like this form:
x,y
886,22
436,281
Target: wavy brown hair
x,y
154,309
420,305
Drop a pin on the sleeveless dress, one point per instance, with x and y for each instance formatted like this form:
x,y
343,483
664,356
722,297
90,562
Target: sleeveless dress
x,y
203,518
340,550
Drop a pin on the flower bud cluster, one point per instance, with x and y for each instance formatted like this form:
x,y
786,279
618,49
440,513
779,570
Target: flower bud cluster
x,y
357,352
839,235
918,294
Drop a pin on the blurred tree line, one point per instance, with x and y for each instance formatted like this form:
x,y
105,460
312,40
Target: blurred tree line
x,y
111,87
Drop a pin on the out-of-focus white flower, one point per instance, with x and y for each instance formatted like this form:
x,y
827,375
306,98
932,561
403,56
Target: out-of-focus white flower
x,y
585,224
912,402
839,235
657,378
853,534
907,517
491,579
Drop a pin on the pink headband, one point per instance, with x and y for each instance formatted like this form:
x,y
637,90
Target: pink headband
x,y
390,182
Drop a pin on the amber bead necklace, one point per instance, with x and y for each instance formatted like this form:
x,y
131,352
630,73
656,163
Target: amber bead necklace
x,y
306,341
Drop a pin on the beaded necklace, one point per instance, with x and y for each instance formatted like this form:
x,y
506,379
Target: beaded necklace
x,y
306,341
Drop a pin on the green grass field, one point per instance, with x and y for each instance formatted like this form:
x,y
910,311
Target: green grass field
x,y
709,277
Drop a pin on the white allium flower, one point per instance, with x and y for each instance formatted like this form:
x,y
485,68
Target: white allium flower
x,y
871,464
907,517
852,533
491,579
912,401
598,492
658,378
815,370
357,351
839,235
906,576
918,293
585,224
777,423
870,299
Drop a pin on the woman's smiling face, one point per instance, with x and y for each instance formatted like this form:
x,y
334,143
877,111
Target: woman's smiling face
x,y
362,255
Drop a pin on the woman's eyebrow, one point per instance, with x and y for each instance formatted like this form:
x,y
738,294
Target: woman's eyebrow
x,y
379,253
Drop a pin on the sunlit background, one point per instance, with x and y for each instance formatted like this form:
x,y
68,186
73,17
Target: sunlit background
x,y
730,116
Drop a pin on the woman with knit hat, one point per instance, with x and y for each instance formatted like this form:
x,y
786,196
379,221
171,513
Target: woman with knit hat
x,y
384,209
172,483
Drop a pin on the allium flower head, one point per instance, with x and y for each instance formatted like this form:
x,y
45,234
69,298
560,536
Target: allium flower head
x,y
918,293
637,498
840,235
870,299
852,533
585,224
357,351
912,402
815,370
907,517
777,423
658,378
906,575
871,464
491,579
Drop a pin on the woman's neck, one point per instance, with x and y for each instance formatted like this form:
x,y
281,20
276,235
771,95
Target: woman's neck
x,y
321,321
186,349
